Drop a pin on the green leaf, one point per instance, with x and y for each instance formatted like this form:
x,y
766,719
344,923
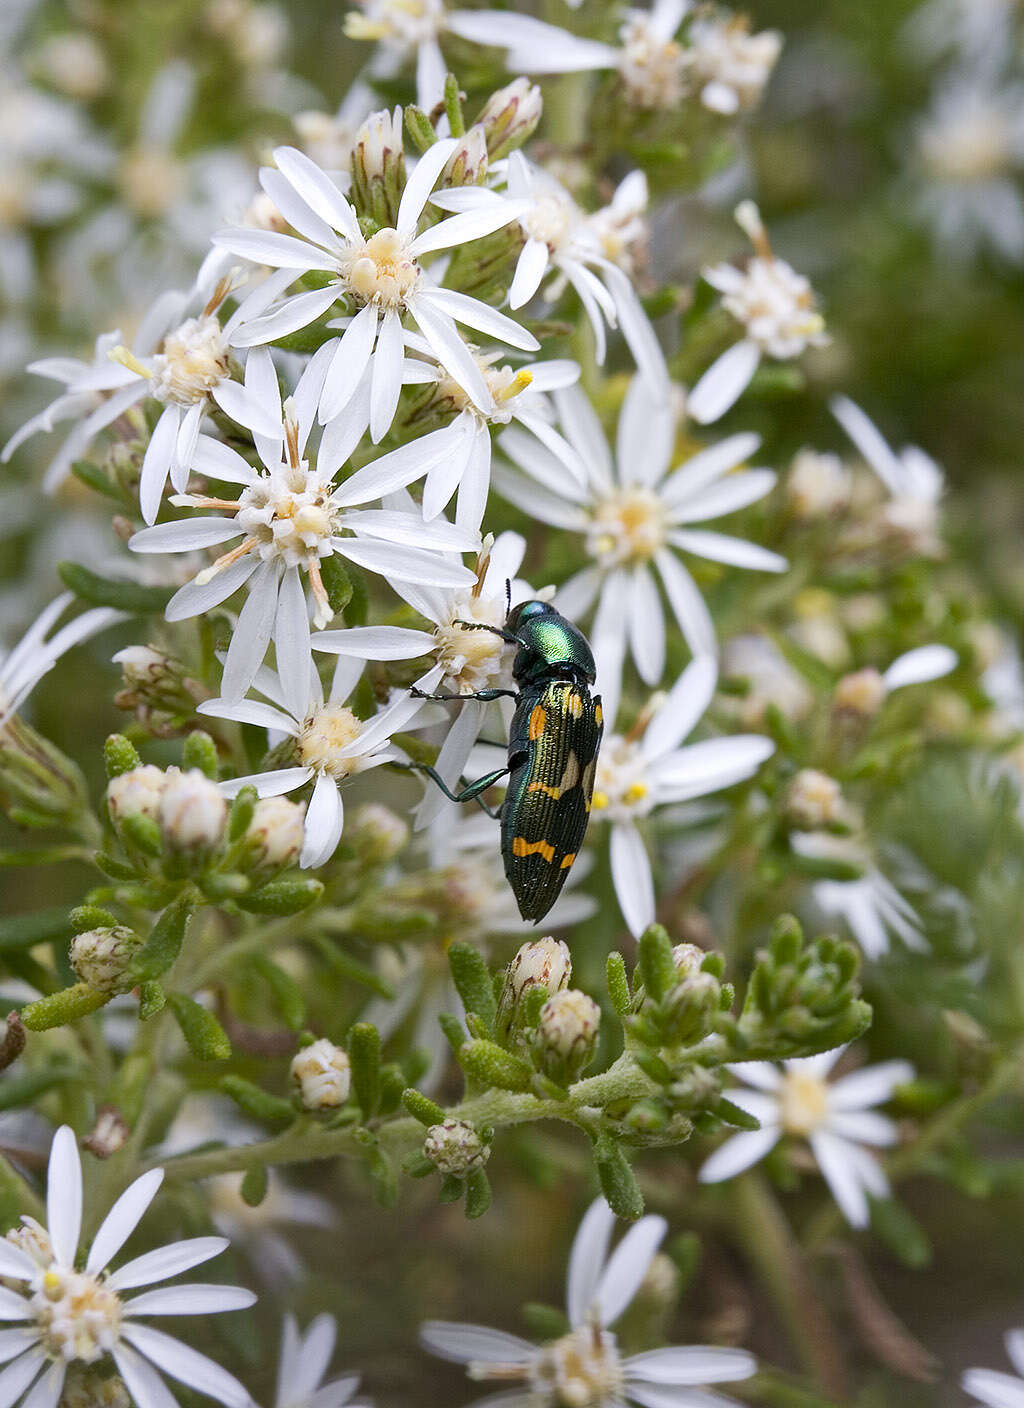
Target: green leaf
x,y
242,808
163,945
200,752
94,478
364,1055
256,1101
478,1194
492,1066
618,1181
152,999
90,916
255,1184
618,983
901,1232
453,106
286,992
117,592
289,894
657,968
418,126
206,1038
62,1007
337,582
422,1108
473,982
119,755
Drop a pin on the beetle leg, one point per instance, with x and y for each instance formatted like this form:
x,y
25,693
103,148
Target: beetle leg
x,y
470,793
484,694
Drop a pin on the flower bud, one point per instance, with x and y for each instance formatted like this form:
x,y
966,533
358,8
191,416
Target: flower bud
x,y
860,694
86,1387
510,116
109,1133
136,793
695,1088
815,800
467,166
275,833
566,1034
690,1007
455,1148
155,681
687,958
818,485
379,831
378,166
322,1075
544,963
102,957
193,812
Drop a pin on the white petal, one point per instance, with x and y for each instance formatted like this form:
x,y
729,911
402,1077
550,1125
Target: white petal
x,y
710,766
195,598
683,707
165,1262
684,484
13,1306
691,1364
1014,1340
420,183
296,312
450,350
324,822
839,1170
871,1086
537,502
740,1152
646,626
637,330
864,1127
462,1344
431,71
279,251
317,1348
291,641
446,473
471,225
318,190
198,1298
16,1378
395,470
268,784
142,1381
994,1389
631,876
238,403
687,604
342,434
531,267
216,460
481,316
387,376
646,432
294,209
869,441
249,711
629,1263
375,642
185,535
724,382
928,662
761,1074
575,597
252,633
16,1263
733,493
349,362
586,434
122,1220
587,1258
406,564
409,528
475,484
719,547
677,1396
187,1365
47,1390
64,1196
156,463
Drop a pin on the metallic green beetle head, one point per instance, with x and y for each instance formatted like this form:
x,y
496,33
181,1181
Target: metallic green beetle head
x,y
547,643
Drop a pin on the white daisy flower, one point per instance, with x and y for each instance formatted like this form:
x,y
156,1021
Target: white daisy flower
x,y
994,1389
302,1364
584,1366
290,515
636,512
731,66
837,1119
22,667
621,225
771,681
647,768
382,275
332,743
776,308
62,1316
562,239
517,395
969,154
872,908
914,481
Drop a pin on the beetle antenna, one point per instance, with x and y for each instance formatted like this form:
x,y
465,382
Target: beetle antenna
x,y
508,596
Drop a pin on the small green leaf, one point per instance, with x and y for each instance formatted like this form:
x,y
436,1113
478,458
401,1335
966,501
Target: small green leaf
x,y
256,1101
163,945
478,1194
152,999
473,982
286,992
242,808
491,1065
119,755
62,1007
206,1038
289,894
618,983
618,1181
453,106
200,751
901,1232
657,968
364,1055
422,1108
419,128
118,592
90,916
255,1184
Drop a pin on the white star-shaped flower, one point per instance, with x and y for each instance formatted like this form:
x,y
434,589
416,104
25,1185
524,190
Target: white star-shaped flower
x,y
25,664
61,1316
584,1366
302,1364
836,1118
635,512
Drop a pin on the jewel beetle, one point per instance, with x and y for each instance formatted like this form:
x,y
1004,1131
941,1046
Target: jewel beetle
x,y
552,752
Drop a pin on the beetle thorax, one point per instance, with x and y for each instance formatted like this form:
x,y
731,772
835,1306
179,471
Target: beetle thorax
x,y
628,526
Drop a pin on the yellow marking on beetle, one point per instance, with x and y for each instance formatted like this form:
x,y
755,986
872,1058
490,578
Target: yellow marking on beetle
x,y
574,704
598,714
567,860
553,792
522,847
537,721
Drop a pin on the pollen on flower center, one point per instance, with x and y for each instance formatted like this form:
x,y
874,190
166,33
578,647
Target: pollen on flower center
x,y
580,1370
621,789
412,21
383,272
504,384
325,735
653,70
549,221
289,515
194,359
472,660
628,526
78,1318
803,1102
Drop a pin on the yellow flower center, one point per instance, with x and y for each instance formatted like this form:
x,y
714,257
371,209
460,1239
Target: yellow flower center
x,y
77,1317
628,526
330,730
580,1370
383,272
803,1102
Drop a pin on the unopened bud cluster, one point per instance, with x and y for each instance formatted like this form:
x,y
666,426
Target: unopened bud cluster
x,y
102,957
157,689
275,833
455,1148
378,167
565,1036
322,1075
510,116
543,966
